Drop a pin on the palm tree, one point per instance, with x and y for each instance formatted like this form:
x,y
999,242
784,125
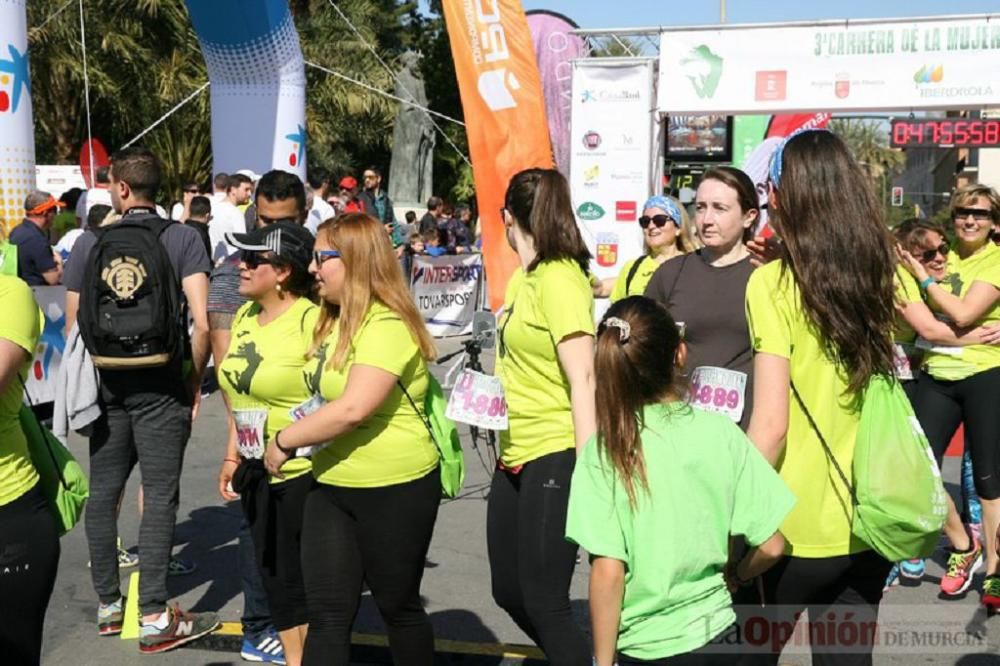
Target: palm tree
x,y
869,142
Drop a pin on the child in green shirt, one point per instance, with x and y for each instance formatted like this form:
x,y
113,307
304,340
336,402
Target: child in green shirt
x,y
656,495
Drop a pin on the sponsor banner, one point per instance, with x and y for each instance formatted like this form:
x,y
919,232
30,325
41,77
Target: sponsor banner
x,y
58,178
555,48
44,370
610,171
447,291
948,62
504,114
258,84
17,134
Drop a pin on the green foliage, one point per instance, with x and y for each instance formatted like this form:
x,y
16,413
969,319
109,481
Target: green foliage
x,y
143,58
869,142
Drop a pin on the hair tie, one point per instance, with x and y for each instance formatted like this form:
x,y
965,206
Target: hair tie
x,y
624,328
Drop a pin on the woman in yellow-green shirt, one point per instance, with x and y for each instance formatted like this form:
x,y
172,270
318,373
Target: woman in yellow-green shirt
x,y
29,540
821,321
546,366
665,236
261,376
961,385
372,512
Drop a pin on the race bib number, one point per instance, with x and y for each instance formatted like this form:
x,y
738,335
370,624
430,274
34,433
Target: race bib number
x,y
301,411
719,390
927,345
250,425
902,362
478,400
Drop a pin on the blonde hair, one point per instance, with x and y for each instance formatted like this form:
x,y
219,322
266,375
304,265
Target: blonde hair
x,y
372,273
968,194
110,218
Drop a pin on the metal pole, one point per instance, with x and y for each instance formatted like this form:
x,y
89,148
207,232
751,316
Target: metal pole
x,y
722,11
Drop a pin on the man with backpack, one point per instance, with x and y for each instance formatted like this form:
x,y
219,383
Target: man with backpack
x,y
131,287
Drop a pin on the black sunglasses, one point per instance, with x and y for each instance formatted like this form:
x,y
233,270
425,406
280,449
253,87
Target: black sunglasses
x,y
195,191
978,214
320,256
928,255
253,259
659,220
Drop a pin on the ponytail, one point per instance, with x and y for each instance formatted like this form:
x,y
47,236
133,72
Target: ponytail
x,y
637,344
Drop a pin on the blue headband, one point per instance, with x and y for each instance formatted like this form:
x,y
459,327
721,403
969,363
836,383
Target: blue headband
x,y
667,204
774,168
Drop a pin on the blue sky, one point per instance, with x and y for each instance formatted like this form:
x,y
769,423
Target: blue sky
x,y
632,13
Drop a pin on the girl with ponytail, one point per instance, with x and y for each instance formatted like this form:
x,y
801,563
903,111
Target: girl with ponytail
x,y
659,469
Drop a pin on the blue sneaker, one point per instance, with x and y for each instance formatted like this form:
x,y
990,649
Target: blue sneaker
x,y
892,578
265,647
912,570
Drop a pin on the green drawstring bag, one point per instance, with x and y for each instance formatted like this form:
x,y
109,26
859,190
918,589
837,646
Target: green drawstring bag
x,y
62,479
899,500
445,436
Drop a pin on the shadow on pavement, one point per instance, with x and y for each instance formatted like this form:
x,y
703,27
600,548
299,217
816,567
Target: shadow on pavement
x,y
209,535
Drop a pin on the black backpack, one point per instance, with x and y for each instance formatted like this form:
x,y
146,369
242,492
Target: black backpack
x,y
130,310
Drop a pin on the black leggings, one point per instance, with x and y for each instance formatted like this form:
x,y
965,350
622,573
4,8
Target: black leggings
x,y
29,558
847,584
378,535
531,563
941,406
275,512
707,655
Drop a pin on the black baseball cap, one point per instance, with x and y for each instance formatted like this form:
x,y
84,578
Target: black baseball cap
x,y
287,240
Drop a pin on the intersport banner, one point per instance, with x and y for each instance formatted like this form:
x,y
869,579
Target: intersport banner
x,y
610,170
447,291
258,84
932,63
504,114
555,49
17,137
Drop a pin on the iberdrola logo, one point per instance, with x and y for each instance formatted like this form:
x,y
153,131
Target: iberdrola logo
x,y
704,70
928,74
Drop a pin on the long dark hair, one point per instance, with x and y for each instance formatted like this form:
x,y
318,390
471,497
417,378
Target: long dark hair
x,y
839,252
539,201
637,345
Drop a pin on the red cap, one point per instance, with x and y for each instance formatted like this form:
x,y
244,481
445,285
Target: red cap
x,y
348,182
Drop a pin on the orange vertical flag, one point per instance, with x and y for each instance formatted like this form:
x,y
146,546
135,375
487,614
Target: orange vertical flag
x,y
504,114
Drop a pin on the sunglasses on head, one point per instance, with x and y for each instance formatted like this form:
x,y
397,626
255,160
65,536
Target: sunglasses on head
x,y
253,259
319,256
929,255
978,214
659,220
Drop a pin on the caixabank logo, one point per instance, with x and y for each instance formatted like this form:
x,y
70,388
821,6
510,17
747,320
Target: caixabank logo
x,y
298,151
14,79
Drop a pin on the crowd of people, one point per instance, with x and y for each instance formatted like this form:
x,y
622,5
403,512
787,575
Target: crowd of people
x,y
687,442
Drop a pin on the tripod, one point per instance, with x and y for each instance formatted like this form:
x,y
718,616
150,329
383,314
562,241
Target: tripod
x,y
472,349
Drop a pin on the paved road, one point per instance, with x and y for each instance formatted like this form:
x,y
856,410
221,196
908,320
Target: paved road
x,y
456,584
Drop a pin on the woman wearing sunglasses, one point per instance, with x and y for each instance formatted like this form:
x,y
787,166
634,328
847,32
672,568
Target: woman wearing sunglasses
x,y
372,512
717,337
546,365
664,227
261,376
961,384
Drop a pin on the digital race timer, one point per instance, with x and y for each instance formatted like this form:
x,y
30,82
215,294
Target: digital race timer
x,y
958,132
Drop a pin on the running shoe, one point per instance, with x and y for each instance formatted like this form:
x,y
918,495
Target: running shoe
x,y
182,627
110,618
912,570
126,559
977,531
178,566
892,578
991,594
266,648
961,566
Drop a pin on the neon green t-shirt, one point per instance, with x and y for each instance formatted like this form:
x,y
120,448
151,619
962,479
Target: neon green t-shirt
x,y
907,292
962,362
541,309
21,324
705,478
820,523
263,368
392,445
640,280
